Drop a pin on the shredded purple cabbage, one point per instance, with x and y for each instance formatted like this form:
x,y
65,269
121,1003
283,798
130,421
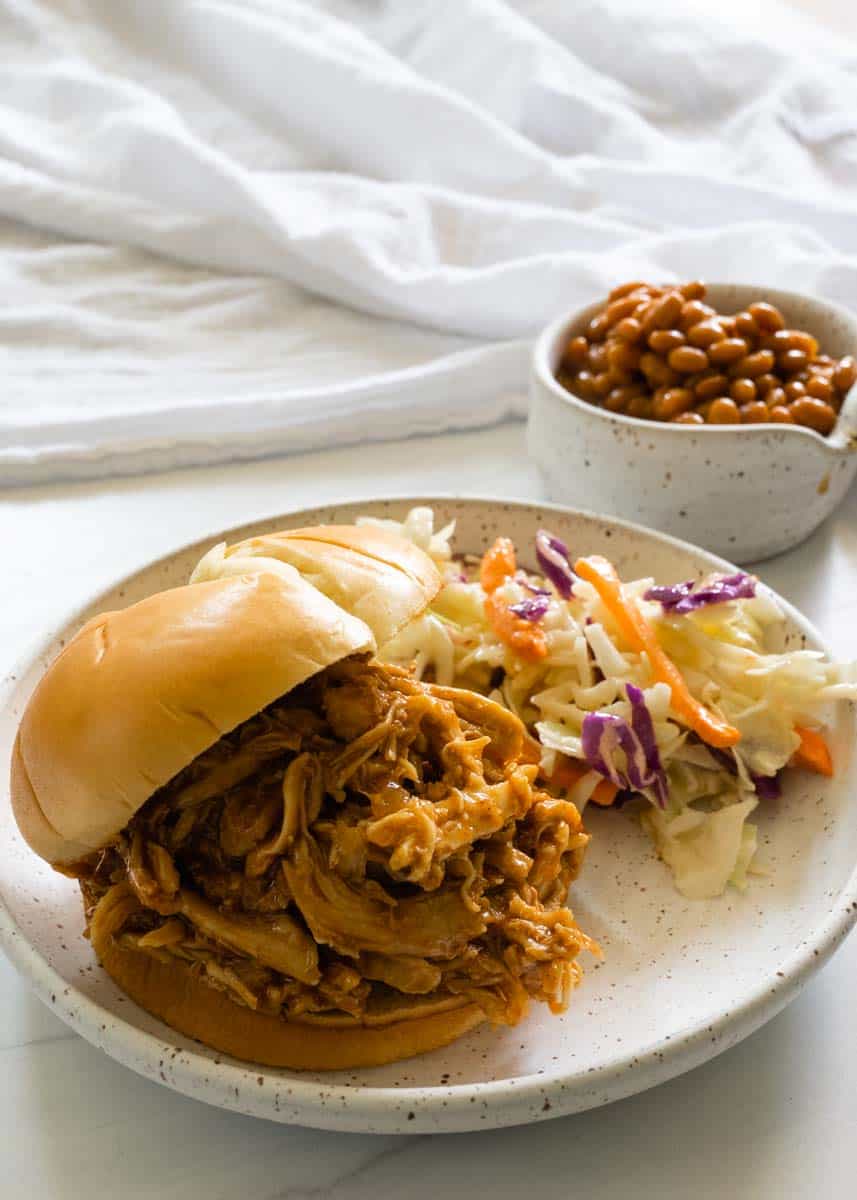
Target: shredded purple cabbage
x,y
603,733
669,594
553,557
533,609
767,786
531,587
680,598
643,727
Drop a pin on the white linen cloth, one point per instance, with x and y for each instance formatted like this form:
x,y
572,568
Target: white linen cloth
x,y
237,227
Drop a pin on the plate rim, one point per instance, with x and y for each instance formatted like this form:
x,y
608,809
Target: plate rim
x,y
382,1109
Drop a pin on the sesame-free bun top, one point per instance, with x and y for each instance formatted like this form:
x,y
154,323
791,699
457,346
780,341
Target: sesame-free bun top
x,y
139,693
367,570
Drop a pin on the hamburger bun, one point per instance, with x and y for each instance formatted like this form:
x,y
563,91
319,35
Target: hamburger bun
x,y
371,573
139,693
173,993
404,1027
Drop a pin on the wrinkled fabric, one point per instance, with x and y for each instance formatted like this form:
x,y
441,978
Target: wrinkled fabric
x,y
238,227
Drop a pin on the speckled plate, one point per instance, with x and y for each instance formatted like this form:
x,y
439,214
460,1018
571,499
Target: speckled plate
x,y
681,980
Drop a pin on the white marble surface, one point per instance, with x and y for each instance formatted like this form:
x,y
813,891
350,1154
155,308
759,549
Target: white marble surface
x,y
771,1118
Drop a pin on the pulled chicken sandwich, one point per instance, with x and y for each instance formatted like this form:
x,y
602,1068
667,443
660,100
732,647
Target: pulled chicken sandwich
x,y
287,849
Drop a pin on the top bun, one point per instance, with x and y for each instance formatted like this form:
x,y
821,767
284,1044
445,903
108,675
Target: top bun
x,y
376,575
138,694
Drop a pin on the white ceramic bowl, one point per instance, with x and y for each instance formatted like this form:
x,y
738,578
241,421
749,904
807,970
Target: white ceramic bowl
x,y
744,492
681,979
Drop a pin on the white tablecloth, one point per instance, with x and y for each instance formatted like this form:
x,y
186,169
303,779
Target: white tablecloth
x,y
230,228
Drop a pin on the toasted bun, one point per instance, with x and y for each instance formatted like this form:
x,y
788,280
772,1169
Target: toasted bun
x,y
175,994
138,694
378,576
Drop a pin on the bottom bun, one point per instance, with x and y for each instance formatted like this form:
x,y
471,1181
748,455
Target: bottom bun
x,y
173,992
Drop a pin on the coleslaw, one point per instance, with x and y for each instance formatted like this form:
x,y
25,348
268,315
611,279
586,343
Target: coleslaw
x,y
671,695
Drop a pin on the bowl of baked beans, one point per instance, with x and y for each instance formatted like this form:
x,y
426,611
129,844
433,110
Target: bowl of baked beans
x,y
722,413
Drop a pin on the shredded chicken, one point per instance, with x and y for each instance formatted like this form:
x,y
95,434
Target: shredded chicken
x,y
366,836
277,941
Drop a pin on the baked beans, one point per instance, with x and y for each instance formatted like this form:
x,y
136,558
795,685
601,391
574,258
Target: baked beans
x,y
663,354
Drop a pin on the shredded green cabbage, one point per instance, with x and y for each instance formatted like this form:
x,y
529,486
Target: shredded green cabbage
x,y
724,651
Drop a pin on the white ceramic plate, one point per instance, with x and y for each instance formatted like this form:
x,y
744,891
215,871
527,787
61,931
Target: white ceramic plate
x,y
681,980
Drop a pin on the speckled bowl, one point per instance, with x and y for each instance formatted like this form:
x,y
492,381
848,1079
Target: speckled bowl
x,y
681,980
745,492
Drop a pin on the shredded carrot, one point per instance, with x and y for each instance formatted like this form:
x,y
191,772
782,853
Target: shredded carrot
x,y
813,753
569,771
524,637
641,636
605,793
498,564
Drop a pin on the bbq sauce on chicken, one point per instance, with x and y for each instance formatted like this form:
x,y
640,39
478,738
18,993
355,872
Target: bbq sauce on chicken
x,y
367,836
